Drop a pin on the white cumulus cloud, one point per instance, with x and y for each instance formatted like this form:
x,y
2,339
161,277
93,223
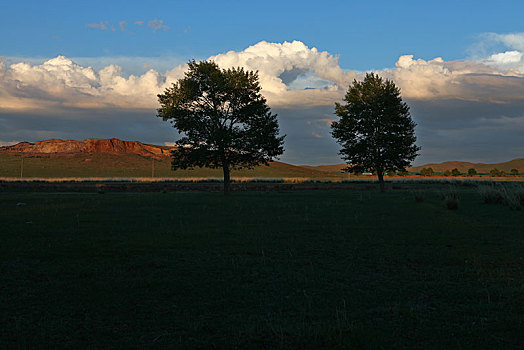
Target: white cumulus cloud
x,y
281,64
510,60
292,75
61,82
463,80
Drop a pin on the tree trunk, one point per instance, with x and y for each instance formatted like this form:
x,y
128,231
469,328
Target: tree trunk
x,y
227,178
380,174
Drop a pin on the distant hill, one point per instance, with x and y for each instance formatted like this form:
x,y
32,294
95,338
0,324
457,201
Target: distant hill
x,y
441,167
69,147
116,158
479,167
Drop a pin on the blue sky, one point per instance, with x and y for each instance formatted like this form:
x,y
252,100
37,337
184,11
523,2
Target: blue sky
x,y
366,35
478,42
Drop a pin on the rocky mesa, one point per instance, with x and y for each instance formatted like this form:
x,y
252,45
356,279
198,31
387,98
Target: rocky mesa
x,y
69,147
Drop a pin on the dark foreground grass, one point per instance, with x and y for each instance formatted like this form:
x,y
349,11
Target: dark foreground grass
x,y
322,269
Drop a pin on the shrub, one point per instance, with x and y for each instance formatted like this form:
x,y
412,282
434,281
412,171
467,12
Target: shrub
x,y
455,172
418,195
514,172
446,173
491,193
427,172
496,172
469,183
472,172
452,203
451,197
512,196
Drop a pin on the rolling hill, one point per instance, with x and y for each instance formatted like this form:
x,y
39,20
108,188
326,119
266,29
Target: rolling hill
x,y
479,167
463,167
116,158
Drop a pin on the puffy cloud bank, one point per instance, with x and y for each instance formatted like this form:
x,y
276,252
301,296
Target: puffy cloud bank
x,y
300,82
291,74
61,82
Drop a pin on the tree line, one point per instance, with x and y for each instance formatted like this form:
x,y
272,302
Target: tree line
x,y
470,172
225,122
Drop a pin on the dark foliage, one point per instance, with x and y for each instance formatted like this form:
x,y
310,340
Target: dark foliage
x,y
472,172
225,121
496,172
375,129
427,172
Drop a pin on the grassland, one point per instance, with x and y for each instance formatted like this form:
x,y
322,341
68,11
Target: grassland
x,y
133,165
303,269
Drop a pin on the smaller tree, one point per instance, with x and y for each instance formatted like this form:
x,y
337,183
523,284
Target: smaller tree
x,y
496,172
375,128
447,173
472,172
514,172
455,172
427,172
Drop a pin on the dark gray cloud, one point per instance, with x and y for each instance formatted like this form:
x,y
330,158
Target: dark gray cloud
x,y
140,125
467,130
460,136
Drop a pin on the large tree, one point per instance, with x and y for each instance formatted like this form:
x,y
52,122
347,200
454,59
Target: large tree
x,y
224,120
375,128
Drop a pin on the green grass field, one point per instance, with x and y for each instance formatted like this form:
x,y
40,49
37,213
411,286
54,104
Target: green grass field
x,y
303,269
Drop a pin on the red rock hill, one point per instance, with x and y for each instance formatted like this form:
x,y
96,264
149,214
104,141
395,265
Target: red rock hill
x,y
64,147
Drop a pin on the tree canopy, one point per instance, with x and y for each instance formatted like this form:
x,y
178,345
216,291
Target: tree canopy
x,y
427,172
496,172
472,172
224,120
375,128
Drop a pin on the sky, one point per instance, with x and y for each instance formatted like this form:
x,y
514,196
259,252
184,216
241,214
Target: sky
x,y
78,70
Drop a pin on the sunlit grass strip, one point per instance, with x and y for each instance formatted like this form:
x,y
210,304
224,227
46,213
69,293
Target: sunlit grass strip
x,y
294,180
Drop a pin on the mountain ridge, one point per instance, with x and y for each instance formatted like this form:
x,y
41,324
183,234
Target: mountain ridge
x,y
67,147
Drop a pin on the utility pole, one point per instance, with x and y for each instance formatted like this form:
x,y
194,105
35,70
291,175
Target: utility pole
x,y
152,167
22,168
